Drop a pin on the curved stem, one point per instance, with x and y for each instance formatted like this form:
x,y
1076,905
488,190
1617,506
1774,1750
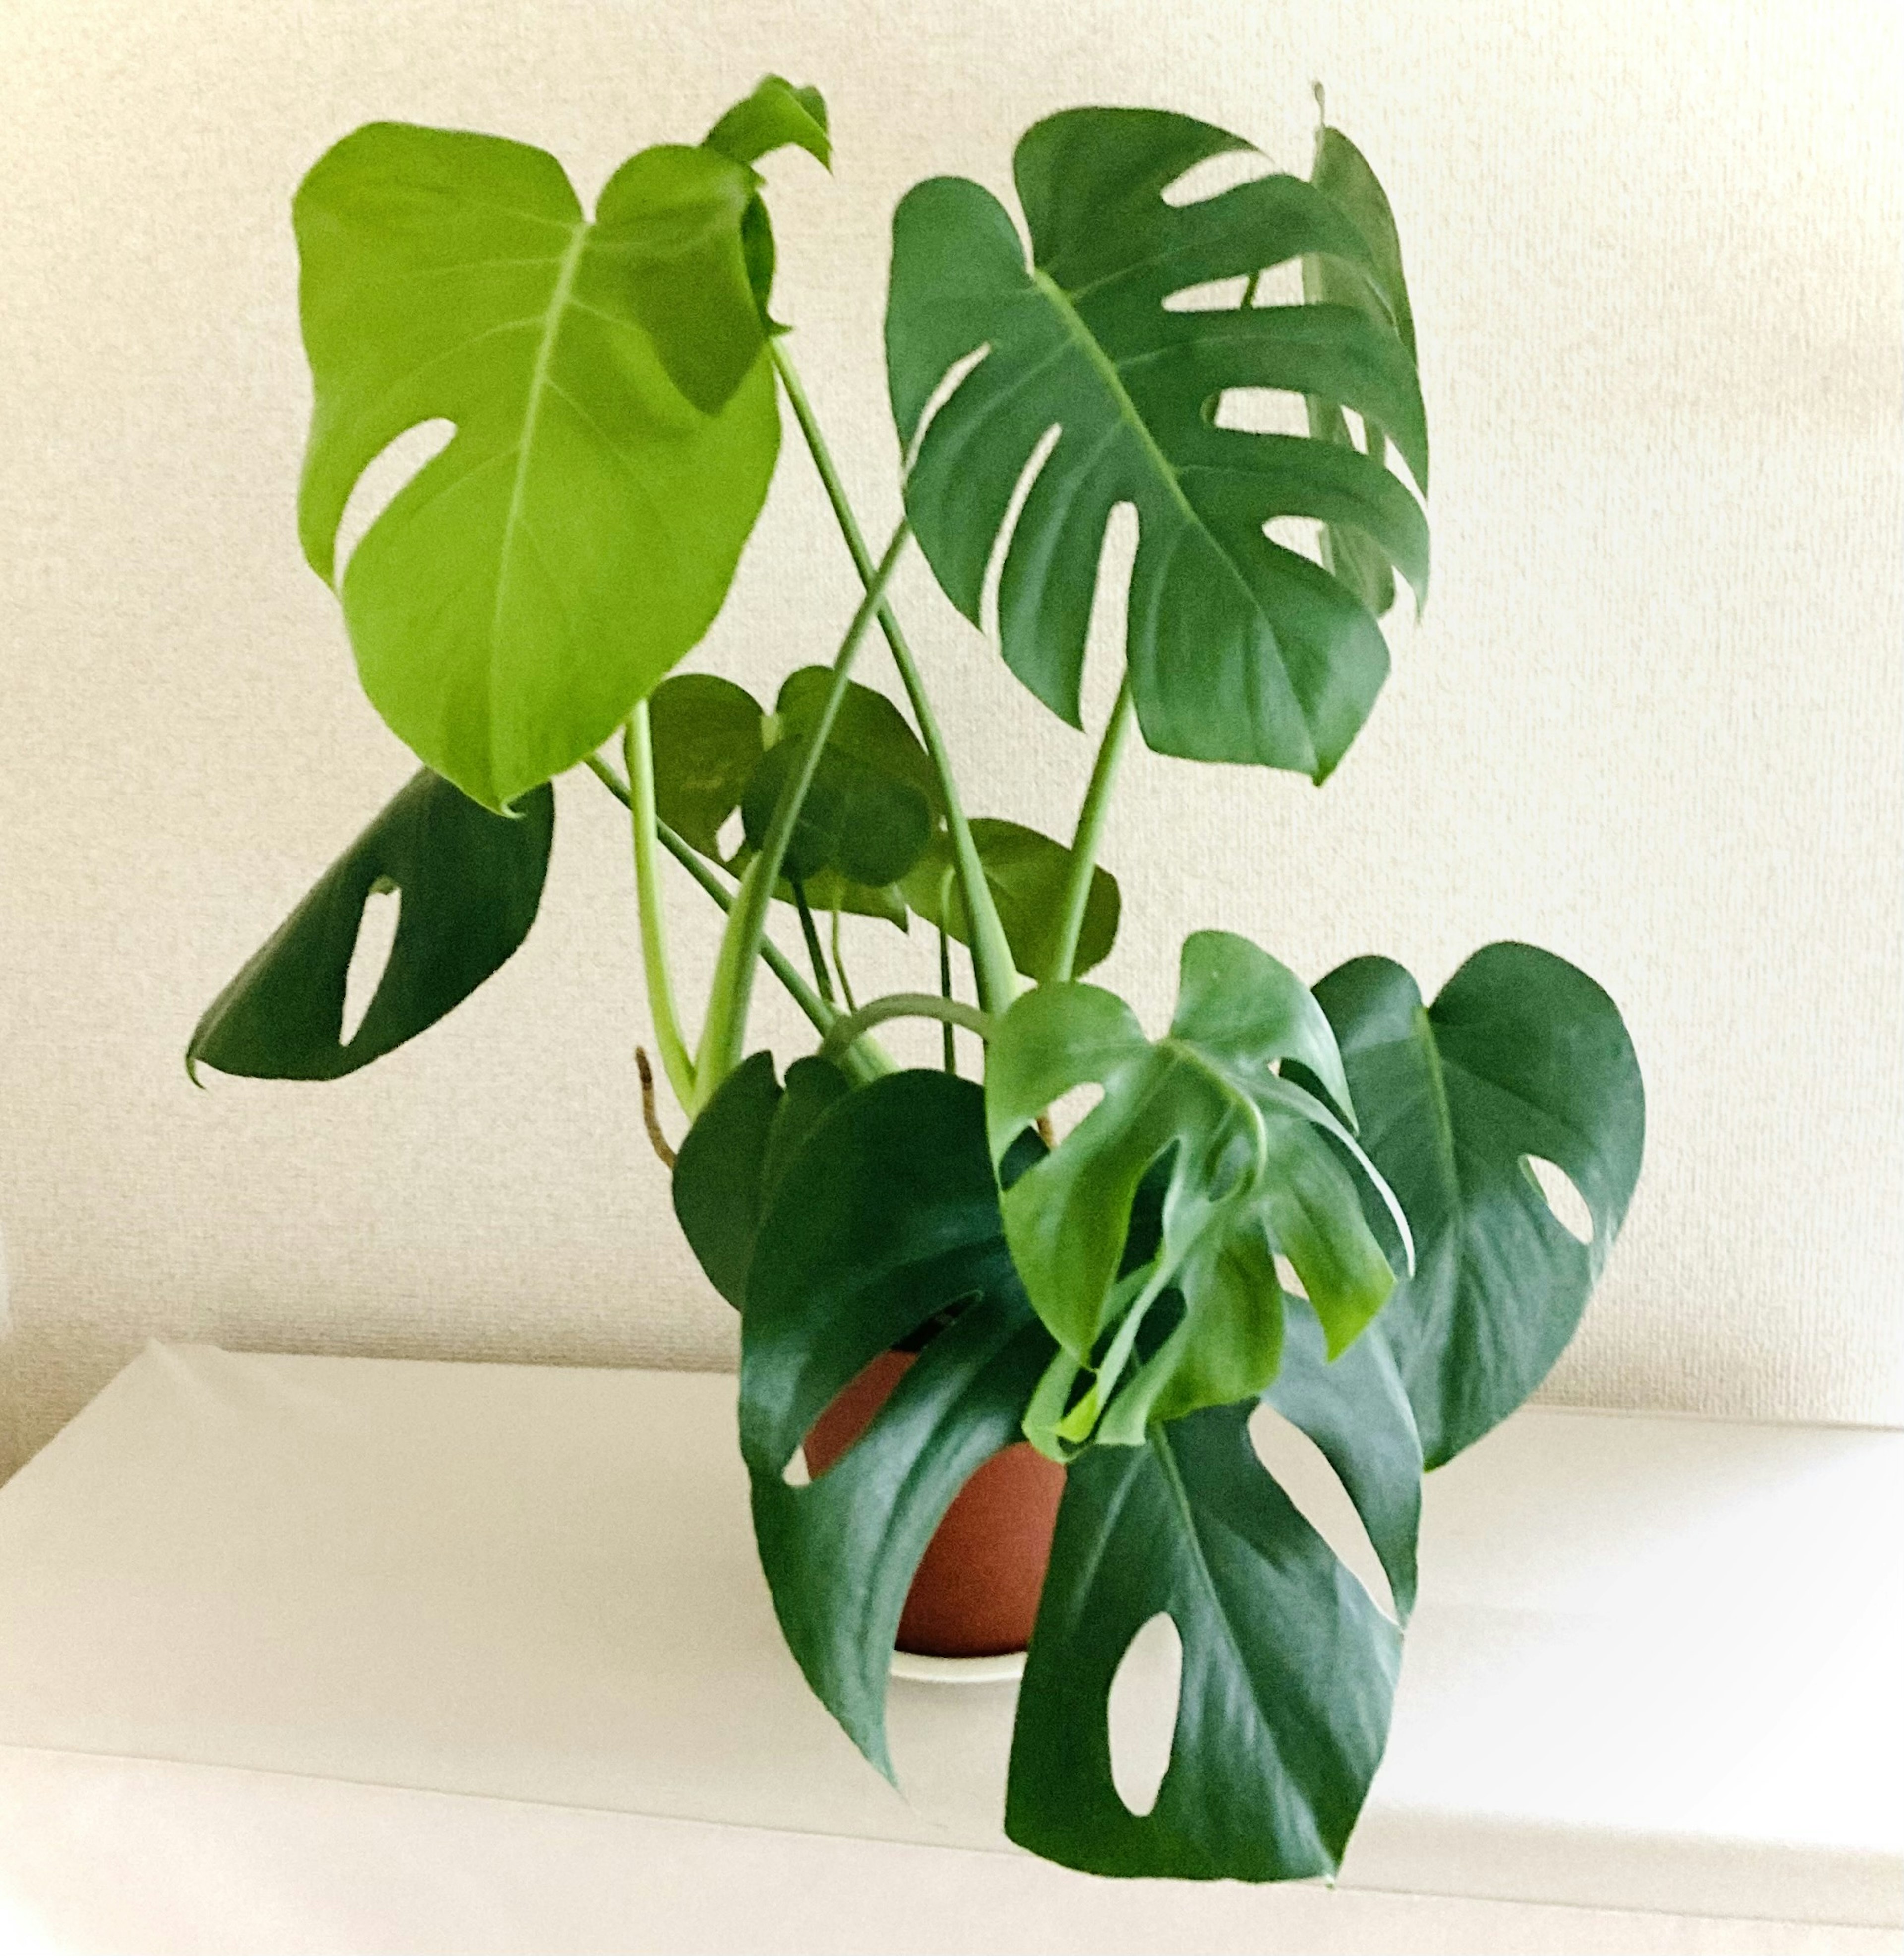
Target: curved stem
x,y
1090,827
811,936
903,1005
732,990
637,756
991,960
840,965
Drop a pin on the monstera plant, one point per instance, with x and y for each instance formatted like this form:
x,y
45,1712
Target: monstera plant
x,y
1327,1198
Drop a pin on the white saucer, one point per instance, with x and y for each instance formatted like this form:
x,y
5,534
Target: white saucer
x,y
1006,1670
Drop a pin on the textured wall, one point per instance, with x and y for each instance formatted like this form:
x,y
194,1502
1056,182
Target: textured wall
x,y
1652,720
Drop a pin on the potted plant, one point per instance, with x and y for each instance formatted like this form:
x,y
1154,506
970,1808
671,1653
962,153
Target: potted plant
x,y
1325,1198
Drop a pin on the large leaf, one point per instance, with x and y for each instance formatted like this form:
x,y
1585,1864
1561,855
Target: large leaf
x,y
885,1215
1253,1172
1028,874
616,429
1521,1056
734,1156
469,882
1238,649
1288,1679
870,809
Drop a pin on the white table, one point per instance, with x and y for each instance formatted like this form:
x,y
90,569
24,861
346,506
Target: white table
x,y
306,1653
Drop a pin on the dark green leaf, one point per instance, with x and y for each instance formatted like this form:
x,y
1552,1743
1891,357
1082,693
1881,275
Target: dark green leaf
x,y
617,427
1238,649
1521,1055
1252,1172
469,882
735,1155
706,735
887,1215
1028,873
1289,1668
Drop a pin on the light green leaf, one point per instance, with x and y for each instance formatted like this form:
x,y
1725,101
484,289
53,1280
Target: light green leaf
x,y
1253,1170
1522,1055
1238,649
616,431
776,114
1028,874
468,885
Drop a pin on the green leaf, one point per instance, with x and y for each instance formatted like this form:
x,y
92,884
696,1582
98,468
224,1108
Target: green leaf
x,y
1289,1668
1521,1055
1355,1408
708,736
470,883
1253,1171
776,114
885,1216
616,427
868,812
1237,648
734,1157
1028,874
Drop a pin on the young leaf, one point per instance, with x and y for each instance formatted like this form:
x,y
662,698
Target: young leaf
x,y
1252,1170
469,883
1289,1668
1028,874
616,423
775,115
1238,649
886,1214
1521,1055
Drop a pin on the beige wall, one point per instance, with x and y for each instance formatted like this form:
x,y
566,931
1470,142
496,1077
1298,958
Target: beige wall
x,y
1652,718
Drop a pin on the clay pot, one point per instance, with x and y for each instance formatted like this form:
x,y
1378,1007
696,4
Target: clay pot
x,y
975,1593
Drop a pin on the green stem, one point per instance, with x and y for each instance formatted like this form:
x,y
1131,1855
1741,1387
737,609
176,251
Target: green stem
x,y
638,757
1090,827
992,959
732,990
815,956
802,994
948,1042
903,1005
840,965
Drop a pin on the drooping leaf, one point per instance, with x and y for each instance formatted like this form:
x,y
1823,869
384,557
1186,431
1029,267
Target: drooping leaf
x,y
469,884
1253,1172
886,1215
1521,1055
716,753
1028,873
1355,1408
868,815
1288,1679
615,430
1238,649
734,1157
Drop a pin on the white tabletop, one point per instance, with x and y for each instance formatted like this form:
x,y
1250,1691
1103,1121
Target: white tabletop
x,y
497,1612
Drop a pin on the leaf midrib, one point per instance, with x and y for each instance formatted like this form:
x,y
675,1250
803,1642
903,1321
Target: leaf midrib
x,y
538,388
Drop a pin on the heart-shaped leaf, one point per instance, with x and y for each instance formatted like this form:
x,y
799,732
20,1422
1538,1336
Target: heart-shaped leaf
x,y
1254,1171
735,1155
469,881
616,426
1028,874
1521,1057
1238,649
1289,1668
886,1215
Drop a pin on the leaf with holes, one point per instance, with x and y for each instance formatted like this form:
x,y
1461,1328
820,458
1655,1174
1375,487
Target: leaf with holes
x,y
1028,874
1237,648
1521,1055
886,1215
469,884
1288,1667
872,807
616,425
735,1155
1253,1170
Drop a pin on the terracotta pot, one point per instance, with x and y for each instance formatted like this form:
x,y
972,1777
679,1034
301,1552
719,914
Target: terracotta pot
x,y
975,1593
